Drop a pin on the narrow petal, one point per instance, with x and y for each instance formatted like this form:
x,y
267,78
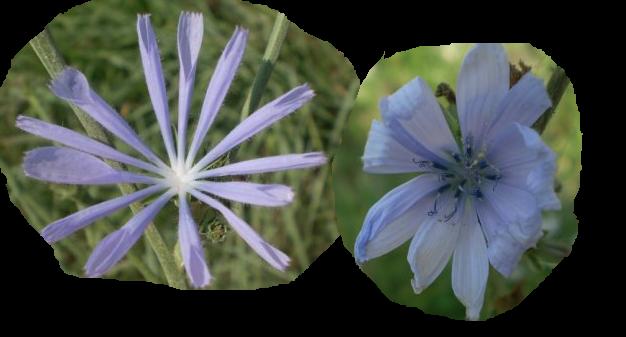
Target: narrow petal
x,y
190,30
249,193
526,162
524,104
481,85
115,245
191,246
151,61
384,154
259,120
273,256
70,224
267,164
383,229
72,86
503,249
78,141
68,166
416,109
218,87
470,266
432,246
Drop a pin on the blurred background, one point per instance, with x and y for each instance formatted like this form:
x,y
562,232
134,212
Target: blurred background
x,y
100,39
356,191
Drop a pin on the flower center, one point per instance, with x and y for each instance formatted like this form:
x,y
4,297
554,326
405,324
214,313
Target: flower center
x,y
179,178
464,176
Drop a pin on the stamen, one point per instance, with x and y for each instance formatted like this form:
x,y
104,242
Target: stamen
x,y
468,146
457,157
421,163
439,166
444,176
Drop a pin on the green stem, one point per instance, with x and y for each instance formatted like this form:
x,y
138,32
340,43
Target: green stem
x,y
557,85
44,47
279,31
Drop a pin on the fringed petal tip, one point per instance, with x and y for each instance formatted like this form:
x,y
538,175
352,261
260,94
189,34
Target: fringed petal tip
x,y
70,84
297,97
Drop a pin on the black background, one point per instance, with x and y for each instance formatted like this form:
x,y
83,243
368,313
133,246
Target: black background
x,y
333,294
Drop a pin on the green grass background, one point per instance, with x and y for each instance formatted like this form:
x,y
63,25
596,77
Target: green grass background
x,y
100,39
357,191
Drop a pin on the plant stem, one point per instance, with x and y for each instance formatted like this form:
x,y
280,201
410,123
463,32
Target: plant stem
x,y
556,87
52,60
279,31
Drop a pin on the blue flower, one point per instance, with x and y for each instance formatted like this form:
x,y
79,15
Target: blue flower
x,y
80,161
479,203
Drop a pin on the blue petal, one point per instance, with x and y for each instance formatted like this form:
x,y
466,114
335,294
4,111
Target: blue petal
x,y
511,220
396,217
384,154
415,110
526,162
470,266
523,104
481,85
433,244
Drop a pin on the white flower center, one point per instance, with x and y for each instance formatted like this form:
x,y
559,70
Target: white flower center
x,y
179,178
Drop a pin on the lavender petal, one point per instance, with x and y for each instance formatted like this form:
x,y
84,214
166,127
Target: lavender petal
x,y
190,30
273,256
273,195
151,61
115,245
259,120
218,87
191,246
68,166
267,164
72,86
78,141
70,224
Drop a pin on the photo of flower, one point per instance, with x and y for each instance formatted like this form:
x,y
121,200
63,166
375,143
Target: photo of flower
x,y
185,165
459,182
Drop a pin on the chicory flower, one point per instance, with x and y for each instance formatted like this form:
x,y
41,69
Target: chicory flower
x,y
80,160
478,202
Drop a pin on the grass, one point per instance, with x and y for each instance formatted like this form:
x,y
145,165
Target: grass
x,y
357,191
100,39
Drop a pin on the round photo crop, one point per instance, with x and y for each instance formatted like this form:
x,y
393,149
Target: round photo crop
x,y
468,162
181,143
